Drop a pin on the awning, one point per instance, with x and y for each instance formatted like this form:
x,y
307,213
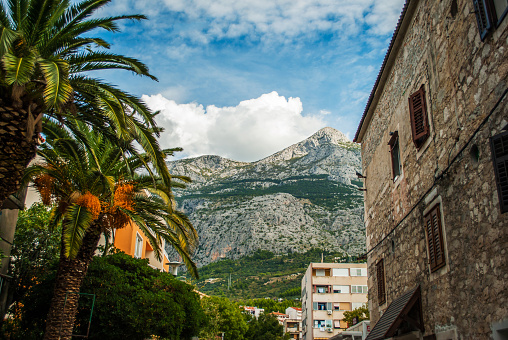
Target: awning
x,y
404,313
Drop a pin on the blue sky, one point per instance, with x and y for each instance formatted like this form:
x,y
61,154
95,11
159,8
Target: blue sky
x,y
244,79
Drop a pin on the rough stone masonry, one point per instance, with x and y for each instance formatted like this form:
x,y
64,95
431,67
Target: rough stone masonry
x,y
438,45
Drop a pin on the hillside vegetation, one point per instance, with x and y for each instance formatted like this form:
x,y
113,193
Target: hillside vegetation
x,y
262,275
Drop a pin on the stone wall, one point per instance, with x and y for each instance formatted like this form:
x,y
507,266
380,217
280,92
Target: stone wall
x,y
464,80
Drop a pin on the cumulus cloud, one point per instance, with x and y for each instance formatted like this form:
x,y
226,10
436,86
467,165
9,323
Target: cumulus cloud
x,y
253,129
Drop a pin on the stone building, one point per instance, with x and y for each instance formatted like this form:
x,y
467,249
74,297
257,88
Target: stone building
x,y
434,138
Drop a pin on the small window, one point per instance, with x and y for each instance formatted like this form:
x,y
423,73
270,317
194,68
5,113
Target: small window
x,y
359,289
434,233
336,324
489,14
358,271
320,272
319,323
419,118
340,272
499,147
395,155
138,248
341,289
380,269
321,289
500,9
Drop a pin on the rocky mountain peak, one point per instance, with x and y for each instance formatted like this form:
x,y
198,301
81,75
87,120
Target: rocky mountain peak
x,y
323,137
301,197
329,135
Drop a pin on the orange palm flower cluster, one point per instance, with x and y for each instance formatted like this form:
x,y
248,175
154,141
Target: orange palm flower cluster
x,y
115,218
44,185
91,203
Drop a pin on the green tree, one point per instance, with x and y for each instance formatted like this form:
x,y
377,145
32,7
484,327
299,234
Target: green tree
x,y
95,189
265,327
223,316
33,251
360,313
48,60
157,304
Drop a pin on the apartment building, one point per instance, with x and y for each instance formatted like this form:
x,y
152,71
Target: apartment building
x,y
328,290
293,325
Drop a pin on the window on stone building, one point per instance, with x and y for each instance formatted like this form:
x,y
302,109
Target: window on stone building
x,y
499,146
419,119
434,232
489,14
395,153
380,269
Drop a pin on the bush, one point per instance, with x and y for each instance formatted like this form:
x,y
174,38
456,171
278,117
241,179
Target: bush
x,y
132,301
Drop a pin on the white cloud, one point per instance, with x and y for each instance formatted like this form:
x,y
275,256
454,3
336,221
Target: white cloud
x,y
251,130
268,19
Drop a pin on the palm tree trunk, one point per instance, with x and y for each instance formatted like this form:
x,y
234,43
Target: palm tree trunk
x,y
15,150
70,276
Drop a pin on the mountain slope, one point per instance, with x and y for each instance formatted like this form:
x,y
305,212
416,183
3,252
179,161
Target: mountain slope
x,y
301,197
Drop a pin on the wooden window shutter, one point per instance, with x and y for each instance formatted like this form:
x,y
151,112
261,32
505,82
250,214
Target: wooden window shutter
x,y
499,147
434,232
481,10
419,119
380,269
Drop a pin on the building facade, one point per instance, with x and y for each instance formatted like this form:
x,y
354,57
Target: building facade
x,y
132,241
293,325
434,141
328,290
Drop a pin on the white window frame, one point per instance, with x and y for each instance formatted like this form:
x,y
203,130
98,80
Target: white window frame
x,y
340,272
319,323
358,271
343,289
359,289
138,246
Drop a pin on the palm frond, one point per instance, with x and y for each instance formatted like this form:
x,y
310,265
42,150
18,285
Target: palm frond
x,y
18,70
58,89
76,222
7,37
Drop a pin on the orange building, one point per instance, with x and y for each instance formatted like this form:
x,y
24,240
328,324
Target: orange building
x,y
132,241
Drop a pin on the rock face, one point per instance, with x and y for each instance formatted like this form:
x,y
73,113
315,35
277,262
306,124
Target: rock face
x,y
301,197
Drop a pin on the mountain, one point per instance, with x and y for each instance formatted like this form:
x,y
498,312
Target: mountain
x,y
305,196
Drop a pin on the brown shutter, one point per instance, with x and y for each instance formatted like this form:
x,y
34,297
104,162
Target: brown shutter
x,y
380,268
499,147
481,10
419,119
434,233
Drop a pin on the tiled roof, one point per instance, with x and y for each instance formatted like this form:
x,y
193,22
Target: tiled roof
x,y
393,314
392,42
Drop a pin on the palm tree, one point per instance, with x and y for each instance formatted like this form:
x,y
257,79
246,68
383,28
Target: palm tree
x,y
96,188
46,52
